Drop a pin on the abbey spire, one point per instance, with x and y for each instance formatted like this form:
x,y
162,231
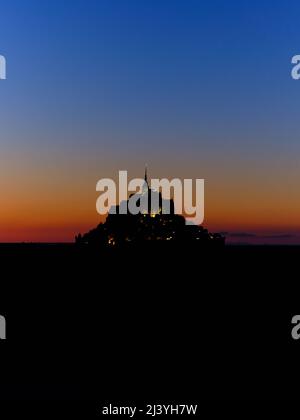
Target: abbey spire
x,y
146,175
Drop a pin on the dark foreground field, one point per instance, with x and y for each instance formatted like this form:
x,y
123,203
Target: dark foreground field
x,y
149,324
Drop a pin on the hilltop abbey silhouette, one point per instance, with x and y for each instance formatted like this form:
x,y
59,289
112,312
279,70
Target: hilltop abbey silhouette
x,y
158,223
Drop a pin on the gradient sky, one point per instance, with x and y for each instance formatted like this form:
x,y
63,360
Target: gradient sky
x,y
196,89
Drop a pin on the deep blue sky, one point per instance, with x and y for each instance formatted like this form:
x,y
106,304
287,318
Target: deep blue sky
x,y
150,67
195,88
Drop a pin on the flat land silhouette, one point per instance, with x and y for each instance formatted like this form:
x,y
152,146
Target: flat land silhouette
x,y
148,322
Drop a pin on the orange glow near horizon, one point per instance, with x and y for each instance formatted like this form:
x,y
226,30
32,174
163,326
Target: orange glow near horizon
x,y
44,201
57,217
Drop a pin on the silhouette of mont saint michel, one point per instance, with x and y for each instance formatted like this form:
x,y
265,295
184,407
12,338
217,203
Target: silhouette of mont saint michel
x,y
148,228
